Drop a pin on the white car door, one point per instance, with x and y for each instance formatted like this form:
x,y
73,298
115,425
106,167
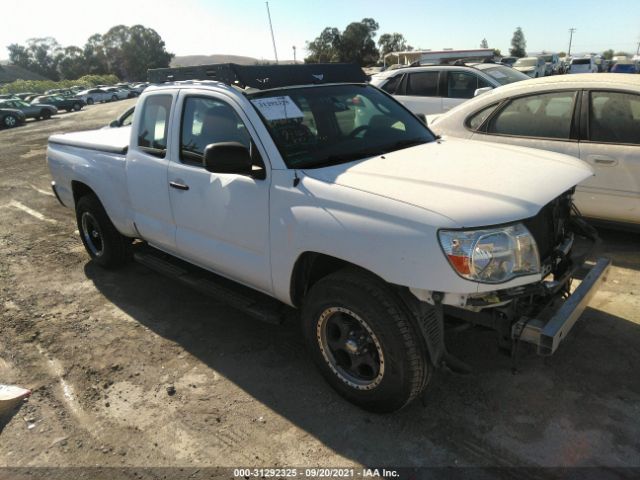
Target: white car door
x,y
612,148
147,164
222,220
420,92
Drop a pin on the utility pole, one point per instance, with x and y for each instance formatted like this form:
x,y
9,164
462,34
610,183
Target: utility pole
x,y
571,30
273,40
294,55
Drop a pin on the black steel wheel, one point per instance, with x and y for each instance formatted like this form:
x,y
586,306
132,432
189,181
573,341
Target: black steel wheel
x,y
365,341
104,244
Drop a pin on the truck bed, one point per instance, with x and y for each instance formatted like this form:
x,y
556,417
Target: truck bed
x,y
112,140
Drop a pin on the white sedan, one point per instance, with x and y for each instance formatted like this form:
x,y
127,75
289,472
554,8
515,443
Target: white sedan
x,y
95,95
593,117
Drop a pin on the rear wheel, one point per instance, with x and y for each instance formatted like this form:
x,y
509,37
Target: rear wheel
x,y
104,244
45,114
364,342
89,101
9,121
77,107
114,98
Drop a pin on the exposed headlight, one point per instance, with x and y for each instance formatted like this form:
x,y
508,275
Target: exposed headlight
x,y
492,255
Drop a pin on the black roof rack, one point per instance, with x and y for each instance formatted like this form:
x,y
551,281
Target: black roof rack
x,y
262,77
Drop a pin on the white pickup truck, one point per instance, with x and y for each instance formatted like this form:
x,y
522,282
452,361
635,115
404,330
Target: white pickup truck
x,y
302,186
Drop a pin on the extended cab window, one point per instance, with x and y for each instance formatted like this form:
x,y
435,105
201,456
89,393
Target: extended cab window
x,y
547,115
152,134
614,117
423,84
206,121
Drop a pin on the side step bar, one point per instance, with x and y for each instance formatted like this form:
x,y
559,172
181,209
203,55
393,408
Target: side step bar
x,y
252,302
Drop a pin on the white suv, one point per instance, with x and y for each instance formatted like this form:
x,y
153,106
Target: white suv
x,y
436,89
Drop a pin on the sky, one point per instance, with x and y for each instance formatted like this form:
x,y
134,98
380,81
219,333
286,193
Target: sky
x,y
240,27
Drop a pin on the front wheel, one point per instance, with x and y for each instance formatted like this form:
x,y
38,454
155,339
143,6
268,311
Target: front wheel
x,y
45,114
10,121
114,98
104,244
89,101
77,107
364,342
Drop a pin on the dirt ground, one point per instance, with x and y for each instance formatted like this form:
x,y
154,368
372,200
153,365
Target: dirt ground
x,y
104,351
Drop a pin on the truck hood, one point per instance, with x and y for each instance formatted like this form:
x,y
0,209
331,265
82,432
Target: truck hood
x,y
472,183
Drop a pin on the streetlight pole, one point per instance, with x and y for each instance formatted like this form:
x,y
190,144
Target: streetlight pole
x,y
571,30
294,55
273,40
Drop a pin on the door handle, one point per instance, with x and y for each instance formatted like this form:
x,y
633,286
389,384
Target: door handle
x,y
604,161
178,186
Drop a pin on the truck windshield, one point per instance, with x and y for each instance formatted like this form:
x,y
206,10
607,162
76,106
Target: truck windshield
x,y
326,125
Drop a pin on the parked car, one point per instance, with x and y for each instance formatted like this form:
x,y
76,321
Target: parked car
x,y
509,60
63,92
94,95
592,117
24,95
117,93
435,89
11,117
323,193
533,67
624,68
583,65
552,64
6,96
38,112
69,103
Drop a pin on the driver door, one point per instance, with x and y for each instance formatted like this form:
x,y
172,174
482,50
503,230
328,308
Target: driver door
x,y
222,220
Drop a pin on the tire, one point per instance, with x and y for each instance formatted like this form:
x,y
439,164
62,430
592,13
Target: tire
x,y
104,244
114,98
77,107
9,121
89,101
45,114
363,340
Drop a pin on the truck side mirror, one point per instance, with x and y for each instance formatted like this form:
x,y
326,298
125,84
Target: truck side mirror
x,y
480,91
227,157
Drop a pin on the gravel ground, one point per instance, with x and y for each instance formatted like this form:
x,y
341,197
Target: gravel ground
x,y
129,368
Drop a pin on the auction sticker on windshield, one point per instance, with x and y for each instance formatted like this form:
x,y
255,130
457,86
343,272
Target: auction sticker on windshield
x,y
277,108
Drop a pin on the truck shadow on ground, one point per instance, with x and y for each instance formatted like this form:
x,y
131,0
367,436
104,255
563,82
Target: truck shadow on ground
x,y
575,408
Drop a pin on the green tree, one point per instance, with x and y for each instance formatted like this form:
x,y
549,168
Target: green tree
x,y
484,43
325,48
497,53
95,55
607,54
130,51
357,44
393,42
518,44
562,54
71,63
622,54
40,55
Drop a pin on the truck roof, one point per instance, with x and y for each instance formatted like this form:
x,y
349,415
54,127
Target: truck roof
x,y
262,77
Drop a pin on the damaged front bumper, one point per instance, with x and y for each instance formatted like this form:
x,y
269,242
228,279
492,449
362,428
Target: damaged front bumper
x,y
551,325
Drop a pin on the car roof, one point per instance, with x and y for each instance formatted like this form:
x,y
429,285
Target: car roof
x,y
580,80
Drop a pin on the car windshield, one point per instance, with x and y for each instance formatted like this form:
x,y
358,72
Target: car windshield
x,y
526,62
327,125
547,58
503,75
